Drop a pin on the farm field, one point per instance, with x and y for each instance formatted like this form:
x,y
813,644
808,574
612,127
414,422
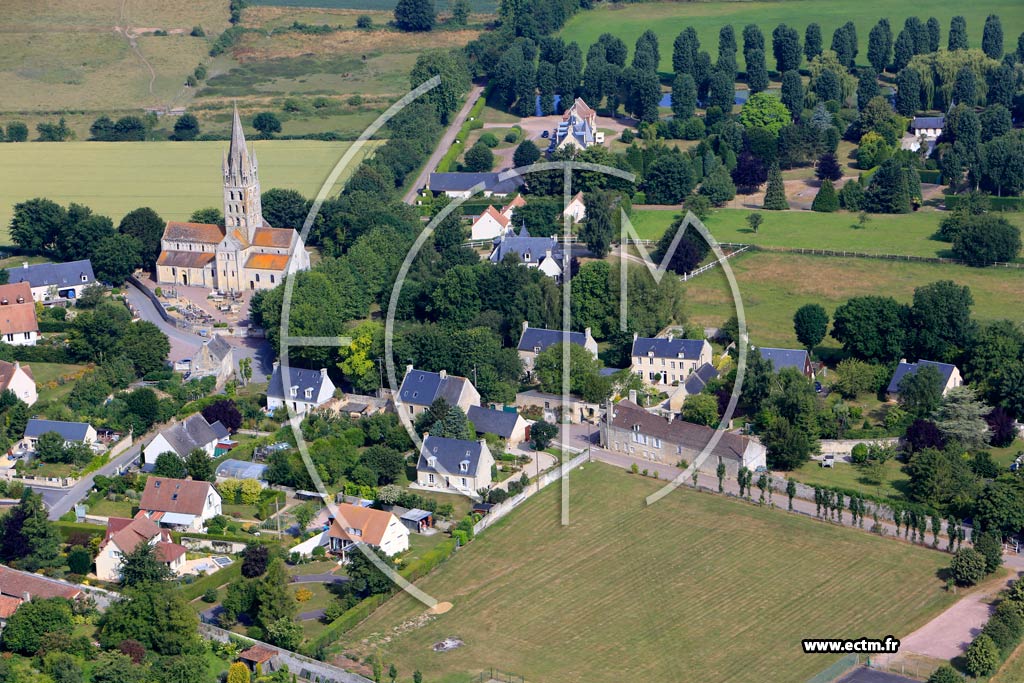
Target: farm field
x,y
904,234
774,285
174,178
483,6
657,592
667,19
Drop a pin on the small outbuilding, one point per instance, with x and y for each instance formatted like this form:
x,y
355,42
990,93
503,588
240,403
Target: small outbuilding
x,y
260,659
417,520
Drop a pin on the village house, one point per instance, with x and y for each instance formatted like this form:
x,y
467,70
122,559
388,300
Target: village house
x,y
578,127
553,407
544,253
18,378
72,432
306,390
535,340
17,587
214,358
693,385
52,283
421,388
490,224
246,254
18,324
629,429
664,361
181,438
124,535
576,209
454,465
181,504
949,375
356,524
798,359
465,185
509,425
509,210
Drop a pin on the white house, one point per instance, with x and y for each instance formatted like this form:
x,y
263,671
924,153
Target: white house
x,y
182,504
186,436
576,210
489,224
544,253
54,282
578,127
72,432
124,535
18,378
454,465
949,375
306,390
421,388
18,324
663,361
509,209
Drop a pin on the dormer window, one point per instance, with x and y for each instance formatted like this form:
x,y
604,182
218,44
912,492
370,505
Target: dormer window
x,y
294,391
85,278
432,461
636,428
536,349
464,466
309,392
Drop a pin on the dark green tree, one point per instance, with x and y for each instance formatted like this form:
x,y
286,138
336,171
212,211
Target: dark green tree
x,y
542,434
957,34
867,86
267,123
199,466
908,92
965,87
116,256
757,71
415,15
870,328
526,153
934,36
880,45
146,226
920,392
479,158
684,96
903,50
142,567
793,92
668,180
34,619
186,127
987,239
168,464
812,41
992,37
786,48
28,540
775,195
811,324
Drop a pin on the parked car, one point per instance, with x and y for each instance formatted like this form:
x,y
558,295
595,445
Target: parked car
x,y
545,134
828,461
817,387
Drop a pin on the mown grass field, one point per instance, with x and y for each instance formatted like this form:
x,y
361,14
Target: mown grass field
x,y
847,476
774,285
904,234
174,178
483,6
667,19
694,588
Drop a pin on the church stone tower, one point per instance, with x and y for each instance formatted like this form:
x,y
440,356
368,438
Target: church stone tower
x,y
242,206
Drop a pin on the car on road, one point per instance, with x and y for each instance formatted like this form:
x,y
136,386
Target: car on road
x,y
545,134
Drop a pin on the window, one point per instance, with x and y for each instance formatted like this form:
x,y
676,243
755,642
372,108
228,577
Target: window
x,y
464,483
271,279
430,478
656,442
10,337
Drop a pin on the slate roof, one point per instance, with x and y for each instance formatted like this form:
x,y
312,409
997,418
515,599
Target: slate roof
x,y
70,431
462,182
534,337
303,378
216,347
193,432
488,421
16,584
524,244
17,310
699,378
421,388
186,496
928,122
450,453
905,368
662,347
626,415
54,274
785,358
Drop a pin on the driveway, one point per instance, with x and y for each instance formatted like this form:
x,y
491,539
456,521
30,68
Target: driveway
x,y
65,502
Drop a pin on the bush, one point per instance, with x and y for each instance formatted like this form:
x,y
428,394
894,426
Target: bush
x,y
364,22
479,159
967,567
627,136
512,135
982,657
990,545
210,595
986,239
693,128
489,139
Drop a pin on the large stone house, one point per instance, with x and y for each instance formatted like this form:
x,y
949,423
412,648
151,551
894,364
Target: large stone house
x,y
949,375
52,283
543,253
18,324
420,388
664,361
124,535
246,254
181,504
181,438
213,359
534,340
629,429
18,378
454,465
306,390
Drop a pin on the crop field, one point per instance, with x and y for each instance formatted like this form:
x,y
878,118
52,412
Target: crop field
x,y
903,234
482,6
667,19
696,587
174,178
774,285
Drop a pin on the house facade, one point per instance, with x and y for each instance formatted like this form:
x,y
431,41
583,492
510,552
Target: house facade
x,y
52,283
124,535
306,390
72,432
18,324
490,224
420,388
245,254
454,465
949,375
18,378
376,528
215,358
664,361
180,504
693,385
181,438
544,253
535,340
578,127
465,185
576,209
629,429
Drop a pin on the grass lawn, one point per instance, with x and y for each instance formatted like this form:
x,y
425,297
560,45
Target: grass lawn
x,y
1012,670
687,589
317,567
848,476
54,381
174,178
668,19
904,234
773,286
109,508
1004,456
461,504
240,511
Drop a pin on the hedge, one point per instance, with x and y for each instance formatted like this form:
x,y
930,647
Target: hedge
x,y
53,326
933,176
230,574
35,354
460,139
995,203
68,528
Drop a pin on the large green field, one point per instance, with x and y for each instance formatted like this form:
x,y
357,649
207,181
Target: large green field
x,y
667,19
774,285
694,588
901,234
174,178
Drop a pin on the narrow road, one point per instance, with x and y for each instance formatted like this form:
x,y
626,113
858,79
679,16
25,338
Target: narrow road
x,y
447,140
77,492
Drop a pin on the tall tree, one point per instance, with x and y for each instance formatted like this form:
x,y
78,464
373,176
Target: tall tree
x,y
786,48
684,95
870,328
145,225
727,50
880,45
867,86
415,15
957,34
908,92
775,195
141,566
684,52
757,71
598,229
934,37
903,50
810,323
793,92
28,540
992,37
812,41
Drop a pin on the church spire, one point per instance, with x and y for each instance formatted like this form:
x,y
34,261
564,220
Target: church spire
x,y
242,205
238,162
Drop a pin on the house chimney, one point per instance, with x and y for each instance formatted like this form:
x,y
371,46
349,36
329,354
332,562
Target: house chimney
x,y
636,335
671,417
277,364
586,332
408,368
670,335
483,443
632,395
443,374
323,372
24,264
526,325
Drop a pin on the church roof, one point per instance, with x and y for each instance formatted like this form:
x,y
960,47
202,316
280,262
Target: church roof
x,y
267,261
273,237
185,259
206,233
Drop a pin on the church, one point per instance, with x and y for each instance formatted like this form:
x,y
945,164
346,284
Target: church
x,y
245,254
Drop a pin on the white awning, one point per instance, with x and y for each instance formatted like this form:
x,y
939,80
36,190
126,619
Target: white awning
x,y
177,519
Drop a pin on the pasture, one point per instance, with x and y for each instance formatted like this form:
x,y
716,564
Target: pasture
x,y
481,6
774,285
696,587
173,178
668,19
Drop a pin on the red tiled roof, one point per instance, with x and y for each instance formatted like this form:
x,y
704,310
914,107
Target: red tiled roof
x,y
267,262
8,606
18,584
17,310
371,524
163,494
258,654
7,371
169,552
273,237
493,213
186,259
206,233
